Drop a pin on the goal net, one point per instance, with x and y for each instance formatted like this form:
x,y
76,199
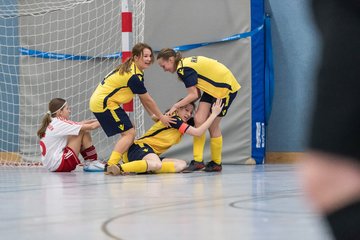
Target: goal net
x,y
57,48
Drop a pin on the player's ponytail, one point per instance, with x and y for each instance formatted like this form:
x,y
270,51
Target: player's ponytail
x,y
178,57
55,105
138,50
167,53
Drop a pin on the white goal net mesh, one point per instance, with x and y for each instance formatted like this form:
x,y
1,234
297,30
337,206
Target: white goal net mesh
x,y
57,48
138,29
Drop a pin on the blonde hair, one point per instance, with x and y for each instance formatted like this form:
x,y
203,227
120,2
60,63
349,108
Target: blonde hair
x,y
191,103
167,53
137,50
55,105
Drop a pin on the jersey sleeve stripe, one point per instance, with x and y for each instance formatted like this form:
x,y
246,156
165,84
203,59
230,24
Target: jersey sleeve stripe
x,y
183,128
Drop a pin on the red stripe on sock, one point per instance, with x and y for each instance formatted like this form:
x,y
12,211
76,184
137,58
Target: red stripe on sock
x,y
89,153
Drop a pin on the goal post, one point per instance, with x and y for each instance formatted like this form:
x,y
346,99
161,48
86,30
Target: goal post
x,y
133,24
138,36
57,48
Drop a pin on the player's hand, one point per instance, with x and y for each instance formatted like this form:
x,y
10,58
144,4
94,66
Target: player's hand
x,y
172,110
217,106
166,120
92,120
90,125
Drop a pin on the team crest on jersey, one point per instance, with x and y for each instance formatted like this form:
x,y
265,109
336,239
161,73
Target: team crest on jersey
x,y
181,71
140,76
145,150
121,127
194,59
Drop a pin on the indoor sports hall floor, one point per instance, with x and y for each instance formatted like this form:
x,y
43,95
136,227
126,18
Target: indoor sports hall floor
x,y
263,202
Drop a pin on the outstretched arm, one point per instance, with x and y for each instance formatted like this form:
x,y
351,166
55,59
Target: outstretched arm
x,y
88,121
193,95
90,125
215,111
152,107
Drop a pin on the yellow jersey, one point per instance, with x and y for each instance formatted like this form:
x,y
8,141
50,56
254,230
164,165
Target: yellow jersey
x,y
208,75
117,89
160,138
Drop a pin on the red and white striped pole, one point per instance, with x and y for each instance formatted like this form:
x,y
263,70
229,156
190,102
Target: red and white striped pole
x,y
126,30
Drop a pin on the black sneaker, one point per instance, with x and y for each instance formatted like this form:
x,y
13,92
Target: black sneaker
x,y
213,167
194,166
113,169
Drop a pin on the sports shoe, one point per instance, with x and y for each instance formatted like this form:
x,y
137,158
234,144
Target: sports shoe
x,y
113,169
213,167
93,166
194,166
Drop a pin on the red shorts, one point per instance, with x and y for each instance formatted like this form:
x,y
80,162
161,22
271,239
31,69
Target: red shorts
x,y
69,161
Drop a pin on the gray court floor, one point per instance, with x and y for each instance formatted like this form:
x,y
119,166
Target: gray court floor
x,y
243,202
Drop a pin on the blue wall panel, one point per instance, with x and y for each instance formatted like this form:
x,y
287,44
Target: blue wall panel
x,y
257,58
9,81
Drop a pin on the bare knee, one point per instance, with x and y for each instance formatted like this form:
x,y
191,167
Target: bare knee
x,y
85,138
154,165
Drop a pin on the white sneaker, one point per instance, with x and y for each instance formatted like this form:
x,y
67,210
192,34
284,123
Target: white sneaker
x,y
94,166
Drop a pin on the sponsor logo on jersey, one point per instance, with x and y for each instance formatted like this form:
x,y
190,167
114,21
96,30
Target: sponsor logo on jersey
x,y
194,59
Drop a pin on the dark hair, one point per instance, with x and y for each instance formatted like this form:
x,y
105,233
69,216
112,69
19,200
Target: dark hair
x,y
137,50
55,105
167,53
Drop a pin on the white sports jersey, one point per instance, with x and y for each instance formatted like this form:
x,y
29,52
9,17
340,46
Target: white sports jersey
x,y
55,140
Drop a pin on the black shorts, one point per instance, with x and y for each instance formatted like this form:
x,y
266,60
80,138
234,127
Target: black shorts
x,y
227,101
114,121
138,151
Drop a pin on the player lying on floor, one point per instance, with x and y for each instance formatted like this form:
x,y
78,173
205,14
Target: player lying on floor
x,y
144,154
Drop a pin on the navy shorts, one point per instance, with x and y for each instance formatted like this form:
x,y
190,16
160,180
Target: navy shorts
x,y
138,151
114,121
227,101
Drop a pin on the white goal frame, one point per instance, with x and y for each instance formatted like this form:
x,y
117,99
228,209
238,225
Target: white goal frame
x,y
57,48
